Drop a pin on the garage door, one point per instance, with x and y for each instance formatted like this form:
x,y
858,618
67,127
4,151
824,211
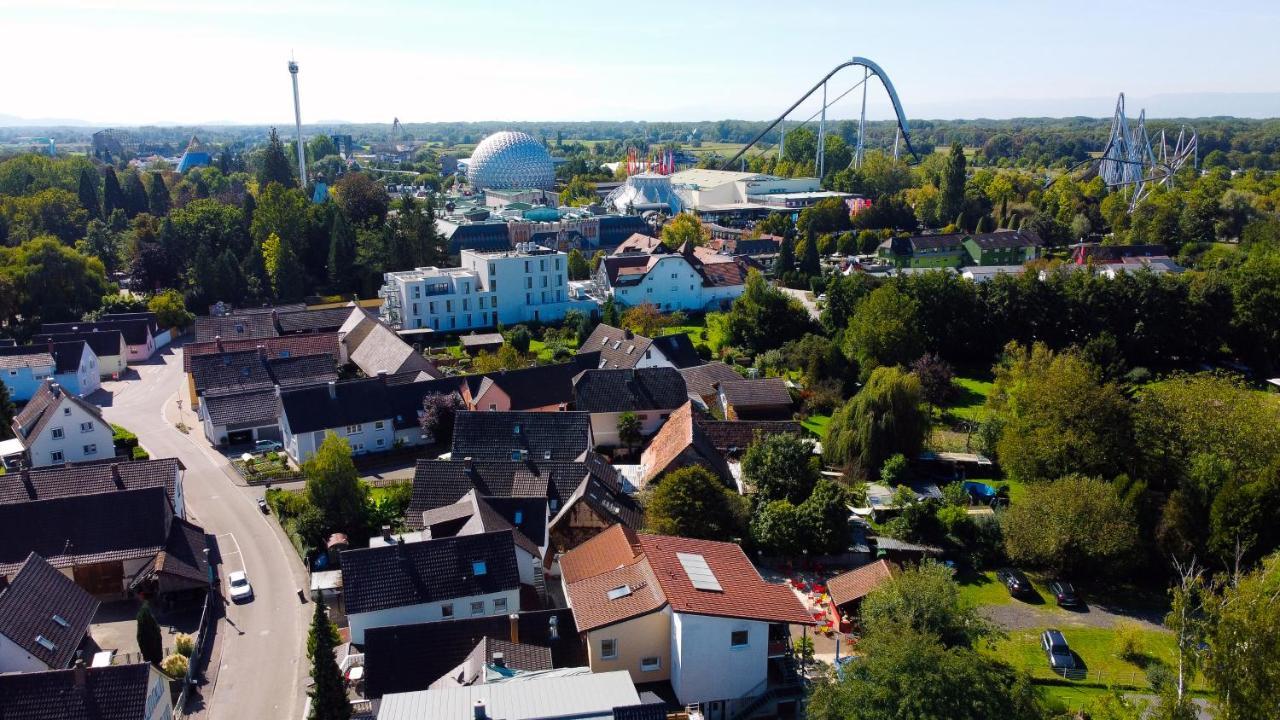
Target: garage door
x,y
270,432
100,579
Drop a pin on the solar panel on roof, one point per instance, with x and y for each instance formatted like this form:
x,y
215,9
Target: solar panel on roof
x,y
695,566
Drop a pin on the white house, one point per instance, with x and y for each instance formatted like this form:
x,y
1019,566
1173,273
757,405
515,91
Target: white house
x,y
692,612
108,346
526,284
443,579
692,278
620,348
56,427
44,619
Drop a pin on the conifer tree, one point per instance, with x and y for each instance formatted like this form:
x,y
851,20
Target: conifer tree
x,y
150,643
810,265
786,262
88,192
254,270
328,694
286,273
275,164
342,254
952,200
135,196
158,196
112,195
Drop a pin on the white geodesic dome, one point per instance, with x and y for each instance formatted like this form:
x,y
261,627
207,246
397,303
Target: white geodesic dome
x,y
511,160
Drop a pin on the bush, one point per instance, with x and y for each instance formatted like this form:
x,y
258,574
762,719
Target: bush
x,y
184,644
1127,641
287,505
139,454
1160,676
175,666
895,471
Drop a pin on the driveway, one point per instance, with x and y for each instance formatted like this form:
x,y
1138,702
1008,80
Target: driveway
x,y
1018,615
258,668
806,298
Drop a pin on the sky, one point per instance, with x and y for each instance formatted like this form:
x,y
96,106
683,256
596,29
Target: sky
x,y
224,61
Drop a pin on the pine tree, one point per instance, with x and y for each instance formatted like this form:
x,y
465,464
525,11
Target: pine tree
x,y
610,315
328,695
275,164
249,206
786,262
254,271
135,196
952,200
810,265
88,192
158,196
112,195
984,224
342,254
150,643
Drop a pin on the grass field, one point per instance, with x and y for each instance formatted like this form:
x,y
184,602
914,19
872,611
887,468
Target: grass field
x,y
971,399
817,424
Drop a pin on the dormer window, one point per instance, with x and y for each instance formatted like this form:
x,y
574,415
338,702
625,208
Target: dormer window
x,y
479,568
515,429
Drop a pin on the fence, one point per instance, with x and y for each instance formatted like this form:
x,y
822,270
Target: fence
x,y
197,655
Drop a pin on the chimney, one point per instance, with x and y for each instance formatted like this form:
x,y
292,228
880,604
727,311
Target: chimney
x,y
479,710
626,333
333,390
513,620
115,475
55,389
277,387
386,534
218,339
468,464
79,674
262,352
553,624
382,376
50,346
499,660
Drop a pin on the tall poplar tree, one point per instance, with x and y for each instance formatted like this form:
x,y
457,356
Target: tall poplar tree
x,y
135,196
342,254
158,196
88,192
275,164
952,200
112,195
328,694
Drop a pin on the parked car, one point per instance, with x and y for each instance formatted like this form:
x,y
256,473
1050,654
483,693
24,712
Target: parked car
x,y
266,446
1056,649
1065,593
1015,582
239,587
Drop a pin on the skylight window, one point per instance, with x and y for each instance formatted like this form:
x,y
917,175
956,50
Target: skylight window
x,y
479,568
515,429
519,516
61,621
619,592
45,643
695,566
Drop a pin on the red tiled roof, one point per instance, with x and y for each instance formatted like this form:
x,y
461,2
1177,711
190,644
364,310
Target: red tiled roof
x,y
312,344
607,550
859,582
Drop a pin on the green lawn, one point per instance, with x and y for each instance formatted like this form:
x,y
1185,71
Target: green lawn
x,y
981,588
817,424
971,399
1096,648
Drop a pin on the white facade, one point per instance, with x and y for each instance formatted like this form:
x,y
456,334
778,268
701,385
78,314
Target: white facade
x,y
671,284
72,435
373,436
510,287
14,658
500,603
604,426
706,664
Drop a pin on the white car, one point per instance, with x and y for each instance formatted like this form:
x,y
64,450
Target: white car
x,y
239,587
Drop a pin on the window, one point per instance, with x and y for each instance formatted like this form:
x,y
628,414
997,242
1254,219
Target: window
x,y
519,518
557,263
477,607
675,276
13,373
446,610
355,429
493,286
479,568
91,449
555,503
528,283
493,406
415,308
609,649
382,442
544,281
738,639
526,266
55,456
528,298
379,425
66,411
499,605
650,664
57,433
515,456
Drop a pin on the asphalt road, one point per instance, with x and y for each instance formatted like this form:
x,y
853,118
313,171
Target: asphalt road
x,y
260,671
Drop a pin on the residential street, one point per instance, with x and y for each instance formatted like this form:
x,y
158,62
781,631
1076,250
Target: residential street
x,y
257,669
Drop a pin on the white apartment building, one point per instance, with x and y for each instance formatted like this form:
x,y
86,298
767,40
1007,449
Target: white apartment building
x,y
526,284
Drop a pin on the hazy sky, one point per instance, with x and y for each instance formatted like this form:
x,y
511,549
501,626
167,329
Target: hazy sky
x,y
200,61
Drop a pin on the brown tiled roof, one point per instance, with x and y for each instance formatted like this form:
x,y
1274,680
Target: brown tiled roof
x,y
724,274
639,243
610,549
744,593
677,435
762,392
701,380
644,572
20,356
285,346
741,434
115,692
859,582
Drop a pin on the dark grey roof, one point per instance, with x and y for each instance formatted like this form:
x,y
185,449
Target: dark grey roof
x,y
618,348
256,407
605,391
405,658
152,321
933,242
1006,239
678,348
135,331
428,571
483,339
236,327
701,380
644,711
541,436
761,392
116,692
323,320
543,385
88,479
253,369
103,343
68,355
45,613
85,528
302,370
359,401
